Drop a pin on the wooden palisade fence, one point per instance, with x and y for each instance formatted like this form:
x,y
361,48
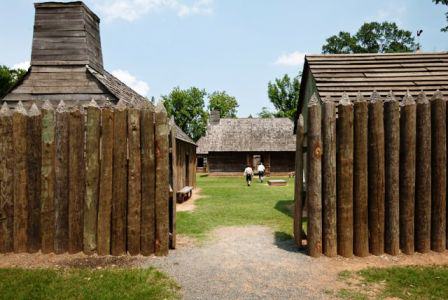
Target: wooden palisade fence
x,y
85,179
376,177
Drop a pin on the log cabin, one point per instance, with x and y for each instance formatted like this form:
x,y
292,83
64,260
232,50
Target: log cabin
x,y
232,143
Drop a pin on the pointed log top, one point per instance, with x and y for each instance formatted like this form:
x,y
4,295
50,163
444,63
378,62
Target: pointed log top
x,y
93,103
20,109
408,99
360,97
146,105
301,122
327,99
5,111
345,99
375,97
391,97
108,103
437,96
313,100
34,111
61,106
421,98
121,104
47,105
160,108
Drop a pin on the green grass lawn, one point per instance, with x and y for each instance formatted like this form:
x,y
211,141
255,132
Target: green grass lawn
x,y
414,282
86,284
228,201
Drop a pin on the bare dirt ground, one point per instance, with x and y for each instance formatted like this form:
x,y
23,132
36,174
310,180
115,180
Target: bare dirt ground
x,y
190,204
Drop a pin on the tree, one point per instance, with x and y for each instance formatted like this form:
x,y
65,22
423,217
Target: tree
x,y
226,104
188,109
372,37
8,78
284,95
265,113
445,2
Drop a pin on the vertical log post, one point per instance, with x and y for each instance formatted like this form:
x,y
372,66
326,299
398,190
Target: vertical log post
x,y
47,211
423,176
407,173
360,188
134,182
106,181
314,184
298,187
19,119
162,181
329,177
148,181
92,177
376,175
6,180
120,181
34,156
439,160
175,185
392,171
61,183
345,177
76,179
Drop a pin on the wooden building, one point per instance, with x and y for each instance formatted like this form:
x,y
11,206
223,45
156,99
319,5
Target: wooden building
x,y
185,159
231,144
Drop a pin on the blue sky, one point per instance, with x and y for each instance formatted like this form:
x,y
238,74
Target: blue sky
x,y
232,45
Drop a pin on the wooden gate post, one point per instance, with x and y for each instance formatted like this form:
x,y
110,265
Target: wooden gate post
x,y
392,171
376,175
439,160
19,120
314,184
345,177
175,185
298,187
423,176
329,178
360,188
6,180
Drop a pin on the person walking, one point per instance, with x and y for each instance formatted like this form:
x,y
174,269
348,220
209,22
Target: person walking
x,y
248,173
261,170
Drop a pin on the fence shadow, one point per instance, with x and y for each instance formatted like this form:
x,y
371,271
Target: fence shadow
x,y
285,206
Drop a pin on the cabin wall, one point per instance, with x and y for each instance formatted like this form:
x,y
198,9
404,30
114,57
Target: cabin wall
x,y
282,162
186,164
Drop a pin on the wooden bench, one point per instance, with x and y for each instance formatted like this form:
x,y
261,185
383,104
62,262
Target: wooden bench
x,y
184,194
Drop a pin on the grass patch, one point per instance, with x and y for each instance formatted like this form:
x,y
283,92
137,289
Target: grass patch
x,y
227,201
86,284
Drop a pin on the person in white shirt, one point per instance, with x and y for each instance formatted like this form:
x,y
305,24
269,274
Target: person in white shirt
x,y
261,170
249,173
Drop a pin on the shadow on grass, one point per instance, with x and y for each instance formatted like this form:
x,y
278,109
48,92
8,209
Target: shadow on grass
x,y
286,207
203,175
286,242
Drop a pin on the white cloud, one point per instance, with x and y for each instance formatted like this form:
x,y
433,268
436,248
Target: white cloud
x,y
139,86
395,12
22,65
131,10
292,59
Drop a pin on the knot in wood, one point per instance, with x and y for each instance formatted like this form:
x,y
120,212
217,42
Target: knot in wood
x,y
318,151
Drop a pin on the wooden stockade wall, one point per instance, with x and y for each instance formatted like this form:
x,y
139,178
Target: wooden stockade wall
x,y
85,179
376,176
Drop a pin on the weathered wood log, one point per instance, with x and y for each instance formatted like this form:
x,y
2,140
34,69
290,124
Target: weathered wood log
x,y
162,181
423,176
134,182
314,177
174,184
106,181
407,173
438,175
148,182
34,163
392,164
19,120
92,177
345,177
120,182
298,187
47,211
376,174
6,180
329,236
61,183
360,178
76,179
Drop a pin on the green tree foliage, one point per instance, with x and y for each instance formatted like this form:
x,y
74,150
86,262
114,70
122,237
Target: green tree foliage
x,y
265,113
284,95
372,37
226,104
444,2
8,78
187,108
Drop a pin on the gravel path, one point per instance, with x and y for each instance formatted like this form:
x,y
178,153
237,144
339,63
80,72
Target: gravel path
x,y
243,263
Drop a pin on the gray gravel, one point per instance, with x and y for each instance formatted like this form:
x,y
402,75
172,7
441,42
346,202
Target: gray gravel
x,y
243,263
